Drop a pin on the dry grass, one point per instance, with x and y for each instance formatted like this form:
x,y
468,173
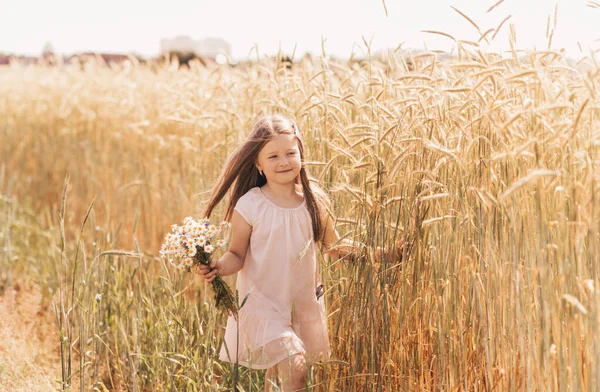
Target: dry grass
x,y
27,355
489,164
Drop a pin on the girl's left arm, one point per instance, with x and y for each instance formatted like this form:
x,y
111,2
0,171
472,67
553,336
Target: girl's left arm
x,y
345,248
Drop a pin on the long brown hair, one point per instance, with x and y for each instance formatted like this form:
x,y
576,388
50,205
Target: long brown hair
x,y
241,174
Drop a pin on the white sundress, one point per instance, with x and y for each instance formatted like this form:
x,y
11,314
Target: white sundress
x,y
281,316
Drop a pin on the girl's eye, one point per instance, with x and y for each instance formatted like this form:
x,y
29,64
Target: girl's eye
x,y
292,153
273,156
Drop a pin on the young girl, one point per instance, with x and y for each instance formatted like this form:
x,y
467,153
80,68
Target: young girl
x,y
278,216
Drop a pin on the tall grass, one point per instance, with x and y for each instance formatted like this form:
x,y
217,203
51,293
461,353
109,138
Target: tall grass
x,y
488,164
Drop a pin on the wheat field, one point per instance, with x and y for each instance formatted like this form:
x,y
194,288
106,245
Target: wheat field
x,y
487,164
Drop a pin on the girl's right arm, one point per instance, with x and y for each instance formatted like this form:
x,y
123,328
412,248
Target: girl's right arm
x,y
233,260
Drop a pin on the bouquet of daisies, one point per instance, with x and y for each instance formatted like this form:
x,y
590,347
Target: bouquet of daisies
x,y
192,243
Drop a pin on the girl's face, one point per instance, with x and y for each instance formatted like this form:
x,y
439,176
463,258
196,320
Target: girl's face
x,y
280,160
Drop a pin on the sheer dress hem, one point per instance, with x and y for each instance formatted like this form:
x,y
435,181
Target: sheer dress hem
x,y
268,355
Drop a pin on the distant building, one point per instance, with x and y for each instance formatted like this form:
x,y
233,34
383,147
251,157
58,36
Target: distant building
x,y
205,48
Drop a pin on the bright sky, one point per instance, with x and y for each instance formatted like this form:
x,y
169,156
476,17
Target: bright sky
x,y
137,26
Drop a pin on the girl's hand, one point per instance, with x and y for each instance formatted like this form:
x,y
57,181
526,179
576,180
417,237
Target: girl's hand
x,y
399,250
209,273
395,254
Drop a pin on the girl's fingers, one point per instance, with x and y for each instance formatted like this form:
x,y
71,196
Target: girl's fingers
x,y
400,249
213,263
211,275
201,269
